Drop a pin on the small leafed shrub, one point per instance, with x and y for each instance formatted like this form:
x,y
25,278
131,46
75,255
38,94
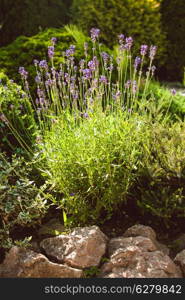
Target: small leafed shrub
x,y
160,184
22,203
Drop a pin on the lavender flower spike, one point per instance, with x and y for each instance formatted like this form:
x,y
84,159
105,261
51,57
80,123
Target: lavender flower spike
x,y
153,50
23,72
103,79
121,38
143,50
53,40
105,56
51,51
137,62
173,92
129,43
94,34
43,64
87,74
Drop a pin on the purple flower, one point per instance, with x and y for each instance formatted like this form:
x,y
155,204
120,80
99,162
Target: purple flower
x,y
117,95
23,72
40,93
37,79
87,73
129,43
173,92
121,38
48,82
128,84
71,51
51,51
53,40
105,56
43,64
153,50
85,115
143,49
103,79
67,77
93,64
137,62
94,34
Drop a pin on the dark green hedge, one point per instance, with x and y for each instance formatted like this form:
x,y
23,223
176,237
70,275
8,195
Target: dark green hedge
x,y
24,50
139,19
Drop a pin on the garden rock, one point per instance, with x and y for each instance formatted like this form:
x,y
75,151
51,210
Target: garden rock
x,y
148,232
133,262
82,248
121,243
21,262
180,260
138,256
140,230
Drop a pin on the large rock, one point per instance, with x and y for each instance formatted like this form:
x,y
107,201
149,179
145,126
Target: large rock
x,y
148,232
121,243
21,262
133,262
140,230
82,248
180,260
137,254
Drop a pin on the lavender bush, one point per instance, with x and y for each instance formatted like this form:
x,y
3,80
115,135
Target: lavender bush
x,y
94,126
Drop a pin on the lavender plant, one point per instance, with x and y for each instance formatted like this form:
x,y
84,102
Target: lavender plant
x,y
91,119
94,83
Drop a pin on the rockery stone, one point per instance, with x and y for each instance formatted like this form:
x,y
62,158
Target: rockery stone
x,y
82,248
21,262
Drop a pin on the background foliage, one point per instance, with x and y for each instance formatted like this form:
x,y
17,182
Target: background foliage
x,y
25,17
173,19
139,19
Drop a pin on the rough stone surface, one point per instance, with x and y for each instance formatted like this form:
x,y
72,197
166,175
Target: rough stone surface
x,y
20,262
133,262
121,243
82,248
180,260
148,232
140,230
